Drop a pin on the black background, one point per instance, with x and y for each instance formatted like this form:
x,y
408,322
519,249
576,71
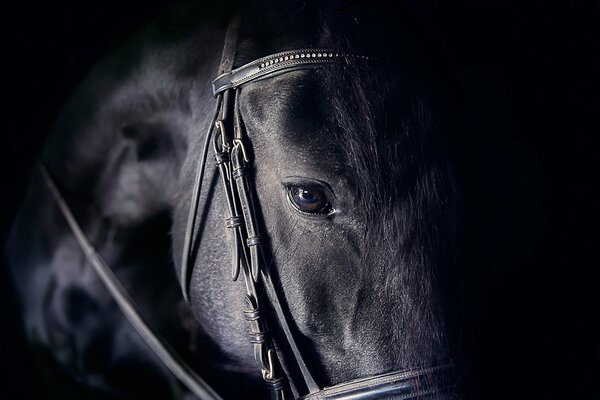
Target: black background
x,y
526,162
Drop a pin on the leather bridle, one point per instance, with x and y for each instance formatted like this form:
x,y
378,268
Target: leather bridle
x,y
229,142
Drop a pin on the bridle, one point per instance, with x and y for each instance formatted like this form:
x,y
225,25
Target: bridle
x,y
229,141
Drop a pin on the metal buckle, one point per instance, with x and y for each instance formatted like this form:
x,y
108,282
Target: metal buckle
x,y
220,125
270,372
238,143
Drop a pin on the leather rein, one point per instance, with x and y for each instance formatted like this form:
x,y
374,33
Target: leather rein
x,y
229,141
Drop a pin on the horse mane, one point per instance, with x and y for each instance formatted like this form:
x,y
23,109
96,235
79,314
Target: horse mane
x,y
387,122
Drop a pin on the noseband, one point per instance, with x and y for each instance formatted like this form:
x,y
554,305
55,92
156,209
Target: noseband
x,y
229,142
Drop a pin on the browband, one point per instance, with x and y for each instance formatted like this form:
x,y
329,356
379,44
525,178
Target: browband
x,y
279,63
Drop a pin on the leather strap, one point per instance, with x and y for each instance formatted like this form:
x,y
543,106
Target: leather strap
x,y
253,240
226,64
188,240
234,221
168,357
229,45
232,167
279,63
405,385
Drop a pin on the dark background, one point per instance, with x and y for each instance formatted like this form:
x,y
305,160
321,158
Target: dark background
x,y
525,161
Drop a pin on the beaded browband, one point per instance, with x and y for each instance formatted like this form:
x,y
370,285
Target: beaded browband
x,y
279,63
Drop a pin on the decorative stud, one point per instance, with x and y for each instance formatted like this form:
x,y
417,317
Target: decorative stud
x,y
297,55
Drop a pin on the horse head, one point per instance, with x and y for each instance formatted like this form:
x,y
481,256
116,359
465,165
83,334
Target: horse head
x,y
354,200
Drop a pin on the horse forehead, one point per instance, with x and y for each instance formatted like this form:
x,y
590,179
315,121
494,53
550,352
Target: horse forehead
x,y
292,107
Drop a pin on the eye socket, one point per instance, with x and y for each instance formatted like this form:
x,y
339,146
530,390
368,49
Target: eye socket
x,y
309,199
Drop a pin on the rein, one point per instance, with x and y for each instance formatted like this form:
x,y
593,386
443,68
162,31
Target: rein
x,y
229,141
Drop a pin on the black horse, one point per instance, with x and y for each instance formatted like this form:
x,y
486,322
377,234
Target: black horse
x,y
352,193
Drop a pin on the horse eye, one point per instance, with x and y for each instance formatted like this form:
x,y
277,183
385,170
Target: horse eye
x,y
309,199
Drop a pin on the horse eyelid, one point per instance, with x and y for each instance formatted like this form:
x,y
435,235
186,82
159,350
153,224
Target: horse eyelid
x,y
328,210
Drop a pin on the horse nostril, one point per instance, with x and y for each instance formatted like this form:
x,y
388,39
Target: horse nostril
x,y
129,131
96,353
78,305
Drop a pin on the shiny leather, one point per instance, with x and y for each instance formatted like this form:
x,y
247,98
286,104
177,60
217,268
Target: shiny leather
x,y
275,64
405,385
229,141
247,256
170,359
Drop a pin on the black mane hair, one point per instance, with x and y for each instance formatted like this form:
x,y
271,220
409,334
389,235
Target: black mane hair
x,y
386,120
